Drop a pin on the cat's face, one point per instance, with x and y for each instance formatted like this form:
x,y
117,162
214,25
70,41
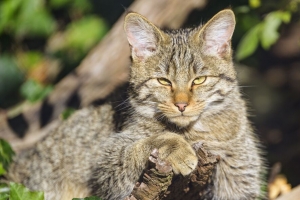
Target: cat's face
x,y
179,75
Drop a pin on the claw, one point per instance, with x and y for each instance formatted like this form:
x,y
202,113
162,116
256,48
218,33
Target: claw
x,y
197,145
154,153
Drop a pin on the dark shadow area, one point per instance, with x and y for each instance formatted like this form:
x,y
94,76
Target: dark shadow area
x,y
46,113
19,125
74,101
111,10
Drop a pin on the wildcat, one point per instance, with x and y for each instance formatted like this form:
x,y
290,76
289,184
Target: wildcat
x,y
182,91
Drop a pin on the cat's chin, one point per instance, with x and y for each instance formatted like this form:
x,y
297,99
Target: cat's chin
x,y
183,121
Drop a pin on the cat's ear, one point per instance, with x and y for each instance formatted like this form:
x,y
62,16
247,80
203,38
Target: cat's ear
x,y
142,36
216,34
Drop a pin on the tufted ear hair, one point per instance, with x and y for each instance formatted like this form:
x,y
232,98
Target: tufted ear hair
x,y
142,36
215,35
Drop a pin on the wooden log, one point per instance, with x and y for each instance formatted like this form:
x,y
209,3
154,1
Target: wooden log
x,y
159,182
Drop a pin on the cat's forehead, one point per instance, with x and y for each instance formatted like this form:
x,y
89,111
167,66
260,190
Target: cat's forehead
x,y
180,36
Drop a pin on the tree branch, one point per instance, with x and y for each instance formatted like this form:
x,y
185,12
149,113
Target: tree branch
x,y
159,182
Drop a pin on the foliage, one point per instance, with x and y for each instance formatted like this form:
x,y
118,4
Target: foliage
x,y
78,37
6,154
28,60
263,32
67,113
75,5
17,191
13,191
62,31
10,77
34,91
254,3
249,43
26,17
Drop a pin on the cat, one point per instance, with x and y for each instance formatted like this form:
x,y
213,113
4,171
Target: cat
x,y
182,91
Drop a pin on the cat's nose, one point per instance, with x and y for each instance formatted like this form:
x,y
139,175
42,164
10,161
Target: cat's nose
x,y
181,106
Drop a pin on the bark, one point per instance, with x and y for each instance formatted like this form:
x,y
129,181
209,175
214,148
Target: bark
x,y
105,67
159,182
155,181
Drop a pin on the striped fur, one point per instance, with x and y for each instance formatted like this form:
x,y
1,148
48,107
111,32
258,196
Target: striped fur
x,y
165,110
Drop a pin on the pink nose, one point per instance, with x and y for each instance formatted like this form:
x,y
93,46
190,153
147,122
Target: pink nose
x,y
181,106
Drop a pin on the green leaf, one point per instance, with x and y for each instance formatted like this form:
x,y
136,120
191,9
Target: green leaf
x,y
34,91
241,9
30,18
2,170
29,59
248,43
38,23
247,21
78,38
4,196
285,16
4,191
7,12
269,34
78,5
6,154
19,192
83,6
85,33
67,113
254,3
273,20
58,3
10,77
88,198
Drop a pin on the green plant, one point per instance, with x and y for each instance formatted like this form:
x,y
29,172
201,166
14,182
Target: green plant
x,y
67,113
26,73
15,191
265,33
34,91
26,17
6,155
261,32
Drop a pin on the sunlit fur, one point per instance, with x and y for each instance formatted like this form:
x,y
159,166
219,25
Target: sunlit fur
x,y
179,59
92,154
215,112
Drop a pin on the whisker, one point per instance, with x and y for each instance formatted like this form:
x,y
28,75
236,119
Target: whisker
x,y
247,86
123,102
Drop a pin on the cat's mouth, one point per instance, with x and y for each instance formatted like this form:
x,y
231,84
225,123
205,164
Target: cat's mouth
x,y
175,116
183,120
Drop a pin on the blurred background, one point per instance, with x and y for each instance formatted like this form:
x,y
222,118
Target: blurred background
x,y
43,41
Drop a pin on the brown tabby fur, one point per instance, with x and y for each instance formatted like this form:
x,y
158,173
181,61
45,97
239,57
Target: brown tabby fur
x,y
91,155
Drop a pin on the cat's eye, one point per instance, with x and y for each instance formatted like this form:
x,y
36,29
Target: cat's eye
x,y
164,81
199,80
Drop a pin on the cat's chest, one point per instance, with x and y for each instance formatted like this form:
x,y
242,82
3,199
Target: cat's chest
x,y
207,140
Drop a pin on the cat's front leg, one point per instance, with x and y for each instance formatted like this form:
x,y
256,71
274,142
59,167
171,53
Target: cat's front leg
x,y
124,157
175,150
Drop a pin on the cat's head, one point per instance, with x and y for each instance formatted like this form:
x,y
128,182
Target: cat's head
x,y
182,74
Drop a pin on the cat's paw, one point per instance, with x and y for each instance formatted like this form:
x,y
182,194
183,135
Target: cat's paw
x,y
176,151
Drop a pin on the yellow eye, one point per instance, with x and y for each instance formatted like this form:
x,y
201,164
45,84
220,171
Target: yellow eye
x,y
199,80
164,81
